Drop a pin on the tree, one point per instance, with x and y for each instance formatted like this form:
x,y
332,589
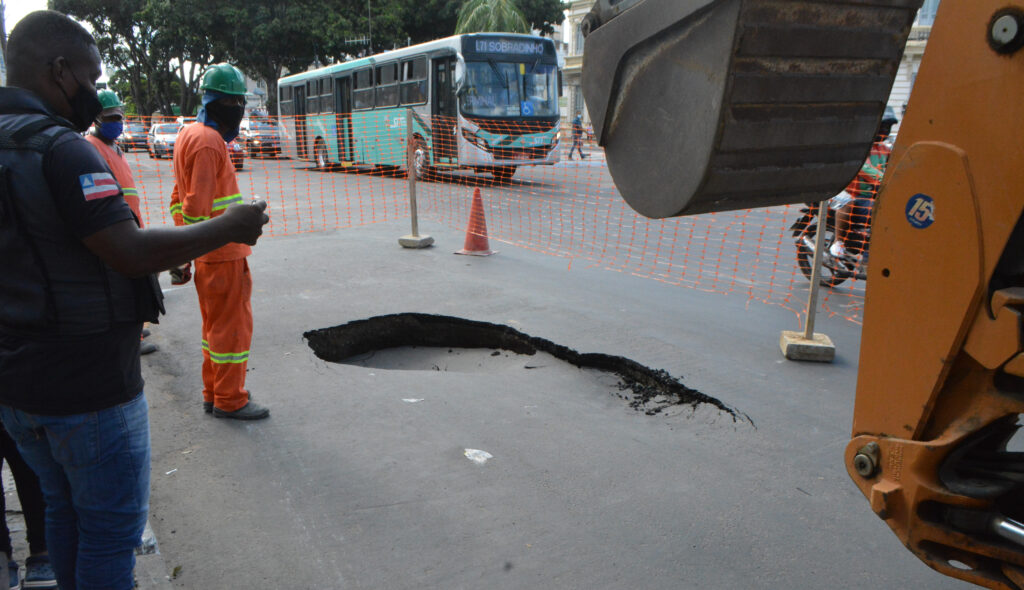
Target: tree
x,y
272,39
120,83
185,28
543,15
384,23
130,43
426,20
160,48
477,16
266,38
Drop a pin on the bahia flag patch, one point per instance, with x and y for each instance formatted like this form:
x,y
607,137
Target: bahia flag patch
x,y
99,185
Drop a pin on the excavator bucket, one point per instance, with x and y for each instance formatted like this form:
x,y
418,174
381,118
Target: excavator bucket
x,y
713,105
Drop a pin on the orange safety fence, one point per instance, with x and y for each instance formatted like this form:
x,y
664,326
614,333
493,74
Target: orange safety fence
x,y
335,171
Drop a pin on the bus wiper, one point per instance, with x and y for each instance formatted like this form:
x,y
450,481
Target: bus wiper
x,y
497,73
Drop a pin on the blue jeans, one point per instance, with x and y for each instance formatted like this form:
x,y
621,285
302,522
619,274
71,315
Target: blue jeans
x,y
577,144
94,471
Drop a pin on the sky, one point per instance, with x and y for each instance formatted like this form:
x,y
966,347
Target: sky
x,y
14,10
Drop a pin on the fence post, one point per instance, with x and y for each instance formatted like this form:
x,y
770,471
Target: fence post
x,y
413,240
806,345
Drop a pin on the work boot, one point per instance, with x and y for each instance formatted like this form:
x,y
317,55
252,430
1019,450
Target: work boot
x,y
250,411
208,406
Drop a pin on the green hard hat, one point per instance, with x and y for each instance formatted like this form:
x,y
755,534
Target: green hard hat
x,y
109,99
224,78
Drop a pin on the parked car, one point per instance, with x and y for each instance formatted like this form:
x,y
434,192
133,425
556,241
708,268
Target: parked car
x,y
161,139
261,138
237,153
134,137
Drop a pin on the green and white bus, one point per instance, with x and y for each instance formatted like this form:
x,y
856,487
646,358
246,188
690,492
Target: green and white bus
x,y
485,102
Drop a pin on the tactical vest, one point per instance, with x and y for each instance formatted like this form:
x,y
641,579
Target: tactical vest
x,y
51,285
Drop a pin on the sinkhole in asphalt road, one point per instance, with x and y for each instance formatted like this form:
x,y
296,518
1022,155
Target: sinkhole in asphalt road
x,y
416,341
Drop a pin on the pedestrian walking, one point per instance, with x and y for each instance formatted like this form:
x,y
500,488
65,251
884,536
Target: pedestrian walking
x,y
103,136
77,286
577,136
204,187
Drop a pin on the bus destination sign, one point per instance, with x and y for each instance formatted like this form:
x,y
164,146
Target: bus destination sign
x,y
509,46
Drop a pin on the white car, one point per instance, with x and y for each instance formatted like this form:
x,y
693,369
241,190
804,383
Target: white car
x,y
161,139
260,137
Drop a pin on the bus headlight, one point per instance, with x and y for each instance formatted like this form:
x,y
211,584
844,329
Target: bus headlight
x,y
474,139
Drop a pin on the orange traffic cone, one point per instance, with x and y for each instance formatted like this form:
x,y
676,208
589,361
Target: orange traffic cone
x,y
476,232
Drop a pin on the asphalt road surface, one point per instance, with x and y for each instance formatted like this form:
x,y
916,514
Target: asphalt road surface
x,y
375,473
570,210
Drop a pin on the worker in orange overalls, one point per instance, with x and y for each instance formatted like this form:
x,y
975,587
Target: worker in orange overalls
x,y
204,186
107,127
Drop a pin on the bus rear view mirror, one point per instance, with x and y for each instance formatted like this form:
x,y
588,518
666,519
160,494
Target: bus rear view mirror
x,y
460,74
713,105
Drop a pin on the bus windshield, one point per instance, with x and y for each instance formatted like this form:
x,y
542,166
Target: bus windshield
x,y
503,89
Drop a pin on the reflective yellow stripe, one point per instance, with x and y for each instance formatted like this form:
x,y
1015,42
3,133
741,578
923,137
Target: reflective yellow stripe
x,y
218,205
225,358
225,202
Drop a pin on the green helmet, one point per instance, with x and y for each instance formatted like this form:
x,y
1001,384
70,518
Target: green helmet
x,y
224,78
109,99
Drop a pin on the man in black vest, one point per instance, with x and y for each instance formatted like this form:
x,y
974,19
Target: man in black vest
x,y
76,284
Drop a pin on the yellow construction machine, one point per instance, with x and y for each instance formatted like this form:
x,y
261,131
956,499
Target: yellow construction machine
x,y
711,105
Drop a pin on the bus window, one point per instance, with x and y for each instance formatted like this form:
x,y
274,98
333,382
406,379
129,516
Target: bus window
x,y
387,85
414,81
362,90
312,98
286,106
510,89
327,95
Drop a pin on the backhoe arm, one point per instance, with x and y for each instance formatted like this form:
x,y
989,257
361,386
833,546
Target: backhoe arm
x,y
710,105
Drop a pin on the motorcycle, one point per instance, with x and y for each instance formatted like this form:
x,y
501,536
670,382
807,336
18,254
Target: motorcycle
x,y
835,269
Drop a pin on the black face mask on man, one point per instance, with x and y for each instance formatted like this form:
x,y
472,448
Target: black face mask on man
x,y
227,117
85,105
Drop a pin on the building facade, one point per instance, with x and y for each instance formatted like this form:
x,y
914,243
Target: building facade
x,y
572,75
911,62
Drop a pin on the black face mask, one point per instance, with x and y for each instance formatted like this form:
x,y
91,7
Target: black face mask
x,y
85,105
227,117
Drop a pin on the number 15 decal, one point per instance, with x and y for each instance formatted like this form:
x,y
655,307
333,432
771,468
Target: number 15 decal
x,y
921,211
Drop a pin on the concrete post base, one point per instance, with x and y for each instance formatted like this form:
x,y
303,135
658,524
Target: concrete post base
x,y
412,241
797,348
